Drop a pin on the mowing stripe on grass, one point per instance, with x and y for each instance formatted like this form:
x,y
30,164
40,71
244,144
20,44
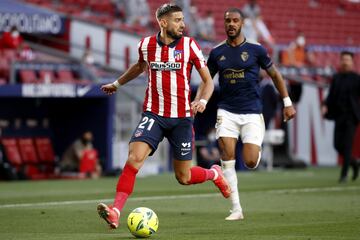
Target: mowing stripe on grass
x,y
205,195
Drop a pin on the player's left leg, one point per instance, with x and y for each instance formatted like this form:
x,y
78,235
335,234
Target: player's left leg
x,y
252,135
181,140
251,154
187,175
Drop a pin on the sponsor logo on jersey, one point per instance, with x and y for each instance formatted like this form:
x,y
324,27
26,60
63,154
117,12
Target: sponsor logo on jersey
x,y
165,66
233,74
244,56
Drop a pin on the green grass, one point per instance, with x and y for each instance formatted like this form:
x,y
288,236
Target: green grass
x,y
306,204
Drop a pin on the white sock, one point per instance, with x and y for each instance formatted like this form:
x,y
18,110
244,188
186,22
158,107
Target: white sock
x,y
230,175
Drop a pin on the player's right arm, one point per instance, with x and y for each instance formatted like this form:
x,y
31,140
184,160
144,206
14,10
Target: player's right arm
x,y
133,72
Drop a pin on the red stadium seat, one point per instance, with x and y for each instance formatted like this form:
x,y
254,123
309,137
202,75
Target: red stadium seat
x,y
4,68
46,155
30,158
27,151
65,76
45,150
12,152
47,75
9,54
28,76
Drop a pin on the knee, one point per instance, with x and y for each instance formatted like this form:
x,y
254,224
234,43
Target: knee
x,y
135,159
182,178
252,161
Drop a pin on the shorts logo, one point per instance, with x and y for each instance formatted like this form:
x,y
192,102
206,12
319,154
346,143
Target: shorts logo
x,y
244,56
165,66
178,55
186,148
186,145
138,133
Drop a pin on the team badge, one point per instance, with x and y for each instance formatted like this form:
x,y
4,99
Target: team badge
x,y
178,55
138,133
244,56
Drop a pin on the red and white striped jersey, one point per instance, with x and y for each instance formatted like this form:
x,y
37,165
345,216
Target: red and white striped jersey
x,y
169,69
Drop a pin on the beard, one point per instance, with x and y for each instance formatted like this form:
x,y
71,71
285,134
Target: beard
x,y
237,34
173,34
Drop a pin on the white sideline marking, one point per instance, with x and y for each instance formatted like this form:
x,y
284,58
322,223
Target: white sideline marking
x,y
152,198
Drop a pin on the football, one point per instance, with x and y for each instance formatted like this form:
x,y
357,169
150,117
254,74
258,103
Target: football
x,y
142,222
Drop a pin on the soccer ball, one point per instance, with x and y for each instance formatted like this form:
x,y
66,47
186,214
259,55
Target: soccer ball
x,y
142,222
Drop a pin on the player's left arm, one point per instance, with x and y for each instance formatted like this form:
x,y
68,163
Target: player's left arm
x,y
206,87
204,92
289,110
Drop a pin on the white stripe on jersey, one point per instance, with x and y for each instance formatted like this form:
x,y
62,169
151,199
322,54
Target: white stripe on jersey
x,y
159,81
198,53
144,48
185,72
144,51
173,87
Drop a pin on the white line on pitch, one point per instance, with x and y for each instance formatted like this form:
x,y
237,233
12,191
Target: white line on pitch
x,y
152,198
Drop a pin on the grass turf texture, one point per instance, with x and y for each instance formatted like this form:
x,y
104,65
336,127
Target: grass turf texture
x,y
306,204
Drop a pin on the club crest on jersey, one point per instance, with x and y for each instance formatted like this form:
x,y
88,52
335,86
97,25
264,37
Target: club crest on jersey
x,y
138,133
244,56
165,66
178,55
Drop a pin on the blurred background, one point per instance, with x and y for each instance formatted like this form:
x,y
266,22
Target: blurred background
x,y
55,54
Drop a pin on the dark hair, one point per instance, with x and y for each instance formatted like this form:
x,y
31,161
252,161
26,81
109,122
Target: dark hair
x,y
343,53
166,9
234,10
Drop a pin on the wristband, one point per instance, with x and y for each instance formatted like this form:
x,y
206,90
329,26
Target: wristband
x,y
116,84
287,102
203,101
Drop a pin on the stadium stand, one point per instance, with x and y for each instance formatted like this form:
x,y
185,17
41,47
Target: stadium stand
x,y
323,23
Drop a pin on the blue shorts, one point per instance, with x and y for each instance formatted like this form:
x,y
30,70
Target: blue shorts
x,y
179,131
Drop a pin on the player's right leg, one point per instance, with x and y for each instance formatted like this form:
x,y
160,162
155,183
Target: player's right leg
x,y
227,148
227,132
138,152
143,143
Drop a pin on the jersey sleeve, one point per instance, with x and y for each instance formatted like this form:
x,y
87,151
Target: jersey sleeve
x,y
264,59
196,56
141,54
212,65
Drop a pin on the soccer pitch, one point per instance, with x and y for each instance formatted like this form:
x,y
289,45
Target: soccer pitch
x,y
296,204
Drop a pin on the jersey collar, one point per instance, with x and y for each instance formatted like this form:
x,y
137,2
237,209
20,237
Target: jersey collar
x,y
171,45
242,43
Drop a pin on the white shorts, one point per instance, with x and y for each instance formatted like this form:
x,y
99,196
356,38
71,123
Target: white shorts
x,y
250,127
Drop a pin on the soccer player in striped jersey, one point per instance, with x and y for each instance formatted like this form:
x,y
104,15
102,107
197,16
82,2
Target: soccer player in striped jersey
x,y
238,63
168,58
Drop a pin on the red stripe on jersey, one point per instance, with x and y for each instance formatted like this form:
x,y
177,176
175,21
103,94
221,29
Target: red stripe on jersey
x,y
181,83
152,46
